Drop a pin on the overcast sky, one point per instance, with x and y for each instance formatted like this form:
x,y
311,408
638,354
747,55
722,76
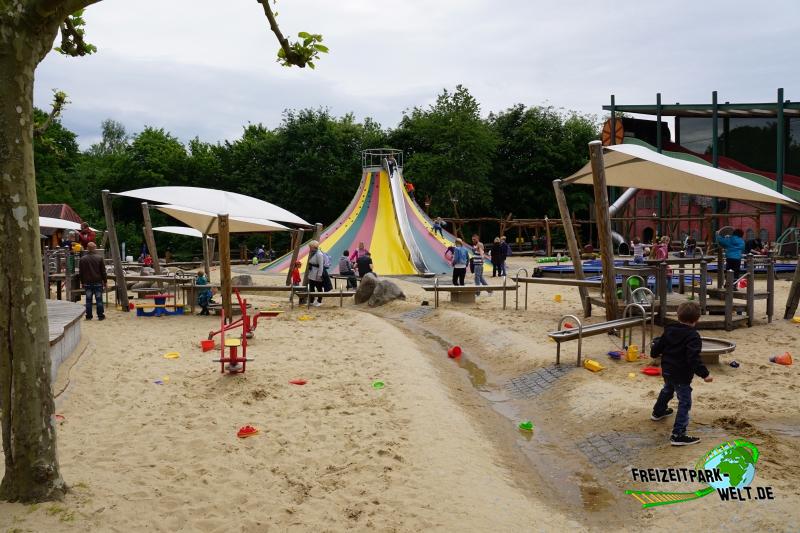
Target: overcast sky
x,y
206,68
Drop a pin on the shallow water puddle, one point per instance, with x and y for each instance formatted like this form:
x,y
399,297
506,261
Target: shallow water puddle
x,y
554,460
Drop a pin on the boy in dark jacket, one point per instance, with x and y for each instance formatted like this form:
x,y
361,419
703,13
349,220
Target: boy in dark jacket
x,y
679,349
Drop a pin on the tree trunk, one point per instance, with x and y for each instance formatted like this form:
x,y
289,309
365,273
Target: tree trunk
x,y
26,399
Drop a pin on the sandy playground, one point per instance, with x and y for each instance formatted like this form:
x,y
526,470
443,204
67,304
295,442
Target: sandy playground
x,y
436,449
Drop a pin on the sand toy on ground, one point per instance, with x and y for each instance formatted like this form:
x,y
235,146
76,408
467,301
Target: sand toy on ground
x,y
159,307
247,431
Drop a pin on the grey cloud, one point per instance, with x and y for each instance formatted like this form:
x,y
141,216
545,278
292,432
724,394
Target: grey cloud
x,y
195,74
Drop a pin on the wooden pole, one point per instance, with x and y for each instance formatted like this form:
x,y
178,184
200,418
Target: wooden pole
x,y
225,265
206,258
212,248
729,300
794,295
317,231
702,289
604,229
150,239
661,284
770,287
47,255
297,241
550,240
572,244
120,286
751,281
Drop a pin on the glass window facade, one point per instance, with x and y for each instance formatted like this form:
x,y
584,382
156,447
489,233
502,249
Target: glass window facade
x,y
751,141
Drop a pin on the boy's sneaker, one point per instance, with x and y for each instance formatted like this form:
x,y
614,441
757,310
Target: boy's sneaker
x,y
683,440
666,413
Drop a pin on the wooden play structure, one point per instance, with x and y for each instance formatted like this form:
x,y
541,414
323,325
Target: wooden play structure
x,y
723,305
209,211
537,231
628,163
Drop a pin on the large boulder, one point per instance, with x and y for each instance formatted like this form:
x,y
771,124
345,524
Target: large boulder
x,y
385,291
244,280
366,288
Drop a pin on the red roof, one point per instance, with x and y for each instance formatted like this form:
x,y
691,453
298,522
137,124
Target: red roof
x,y
62,211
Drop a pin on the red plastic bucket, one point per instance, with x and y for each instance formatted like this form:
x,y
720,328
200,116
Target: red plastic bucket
x,y
207,345
454,352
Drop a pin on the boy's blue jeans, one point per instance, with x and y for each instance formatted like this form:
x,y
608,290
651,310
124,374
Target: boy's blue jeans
x,y
479,280
96,290
684,393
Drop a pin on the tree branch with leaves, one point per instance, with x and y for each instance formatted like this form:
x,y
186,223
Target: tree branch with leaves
x,y
300,53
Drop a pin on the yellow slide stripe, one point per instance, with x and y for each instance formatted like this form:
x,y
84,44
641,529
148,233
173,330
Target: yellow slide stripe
x,y
388,253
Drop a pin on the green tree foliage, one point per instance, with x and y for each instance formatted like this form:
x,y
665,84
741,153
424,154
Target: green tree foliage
x,y
56,155
113,141
536,146
448,153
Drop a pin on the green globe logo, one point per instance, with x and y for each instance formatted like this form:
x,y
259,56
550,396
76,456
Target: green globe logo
x,y
736,462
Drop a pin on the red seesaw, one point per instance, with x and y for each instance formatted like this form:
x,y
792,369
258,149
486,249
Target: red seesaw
x,y
248,327
236,364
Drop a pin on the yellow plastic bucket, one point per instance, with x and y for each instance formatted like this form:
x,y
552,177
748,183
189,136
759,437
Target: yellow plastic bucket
x,y
591,364
632,354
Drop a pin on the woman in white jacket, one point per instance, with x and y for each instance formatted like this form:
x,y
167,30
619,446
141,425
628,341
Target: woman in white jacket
x,y
316,264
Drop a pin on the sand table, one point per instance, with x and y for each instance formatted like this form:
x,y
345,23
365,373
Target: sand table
x,y
437,448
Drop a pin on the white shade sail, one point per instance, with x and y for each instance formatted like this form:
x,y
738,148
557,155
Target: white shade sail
x,y
58,223
206,222
179,230
629,165
216,201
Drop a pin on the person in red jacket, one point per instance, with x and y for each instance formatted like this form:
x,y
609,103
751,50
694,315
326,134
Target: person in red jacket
x,y
296,279
85,235
410,189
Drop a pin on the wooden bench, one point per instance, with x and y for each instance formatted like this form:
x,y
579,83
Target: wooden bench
x,y
337,277
466,293
580,331
309,295
559,281
190,291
